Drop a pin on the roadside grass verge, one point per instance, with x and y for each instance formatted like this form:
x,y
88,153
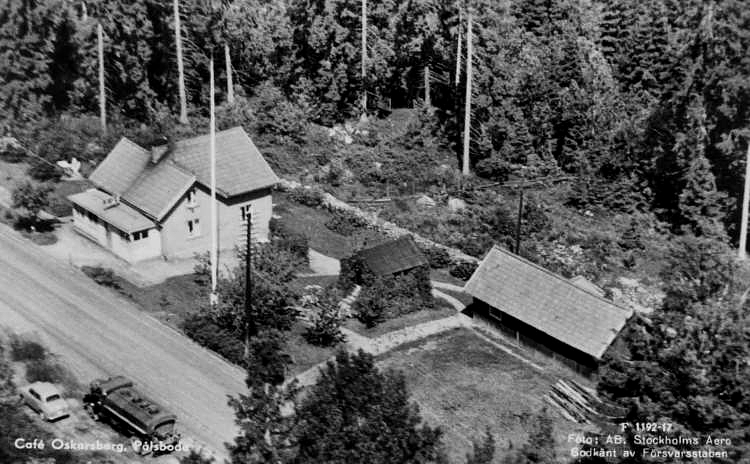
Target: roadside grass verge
x,y
465,384
39,365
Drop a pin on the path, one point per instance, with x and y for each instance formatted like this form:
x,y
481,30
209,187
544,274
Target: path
x,y
322,264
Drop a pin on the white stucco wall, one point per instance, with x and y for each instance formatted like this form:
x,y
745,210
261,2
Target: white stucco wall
x,y
93,230
110,238
176,241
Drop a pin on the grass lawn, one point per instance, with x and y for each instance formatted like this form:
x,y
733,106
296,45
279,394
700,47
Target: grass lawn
x,y
425,315
175,298
311,223
304,355
170,301
12,173
465,384
59,204
442,275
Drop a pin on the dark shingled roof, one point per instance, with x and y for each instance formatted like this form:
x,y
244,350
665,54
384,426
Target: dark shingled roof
x,y
121,168
394,256
547,302
240,168
154,188
158,189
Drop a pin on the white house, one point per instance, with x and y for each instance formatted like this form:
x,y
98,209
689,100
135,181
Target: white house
x,y
155,202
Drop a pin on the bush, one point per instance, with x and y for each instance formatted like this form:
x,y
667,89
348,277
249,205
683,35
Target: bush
x,y
26,350
326,328
42,370
463,270
345,223
393,296
493,168
277,115
307,197
297,244
102,276
206,333
11,151
371,306
436,256
44,172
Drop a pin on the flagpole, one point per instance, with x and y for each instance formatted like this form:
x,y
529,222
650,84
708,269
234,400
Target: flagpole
x,y
214,228
741,253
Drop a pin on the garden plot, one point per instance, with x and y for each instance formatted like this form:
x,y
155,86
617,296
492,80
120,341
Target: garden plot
x,y
465,384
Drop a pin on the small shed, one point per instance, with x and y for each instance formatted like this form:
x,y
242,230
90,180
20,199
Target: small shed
x,y
385,259
540,309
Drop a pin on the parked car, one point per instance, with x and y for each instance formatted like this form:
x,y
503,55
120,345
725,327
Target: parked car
x,y
45,399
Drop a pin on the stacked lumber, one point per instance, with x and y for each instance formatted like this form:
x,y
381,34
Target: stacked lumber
x,y
579,404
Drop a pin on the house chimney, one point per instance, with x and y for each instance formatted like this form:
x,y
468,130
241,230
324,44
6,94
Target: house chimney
x,y
157,152
158,149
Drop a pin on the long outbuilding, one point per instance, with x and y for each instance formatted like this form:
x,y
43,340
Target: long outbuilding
x,y
564,319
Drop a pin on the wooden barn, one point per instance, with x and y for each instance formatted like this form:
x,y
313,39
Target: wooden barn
x,y
569,321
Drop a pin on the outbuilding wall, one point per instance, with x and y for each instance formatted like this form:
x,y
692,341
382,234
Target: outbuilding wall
x,y
527,336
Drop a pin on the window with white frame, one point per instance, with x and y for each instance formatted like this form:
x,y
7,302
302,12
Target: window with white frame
x,y
140,235
194,227
245,211
191,203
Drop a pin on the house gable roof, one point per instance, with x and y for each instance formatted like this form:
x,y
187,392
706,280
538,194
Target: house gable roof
x,y
158,189
121,168
155,188
547,302
240,168
393,256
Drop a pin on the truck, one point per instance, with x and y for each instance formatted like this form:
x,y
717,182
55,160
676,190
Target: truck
x,y
150,427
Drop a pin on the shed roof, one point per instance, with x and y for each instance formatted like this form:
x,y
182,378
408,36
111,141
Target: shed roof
x,y
393,256
122,216
547,302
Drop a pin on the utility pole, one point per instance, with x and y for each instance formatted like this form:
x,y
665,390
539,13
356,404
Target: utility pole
x,y
84,12
214,225
364,56
458,47
427,101
250,329
102,92
742,253
518,221
230,84
180,70
467,108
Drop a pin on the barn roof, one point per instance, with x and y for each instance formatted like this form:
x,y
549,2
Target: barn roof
x,y
393,256
153,188
547,302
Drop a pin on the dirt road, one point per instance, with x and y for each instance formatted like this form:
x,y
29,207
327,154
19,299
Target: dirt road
x,y
98,333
